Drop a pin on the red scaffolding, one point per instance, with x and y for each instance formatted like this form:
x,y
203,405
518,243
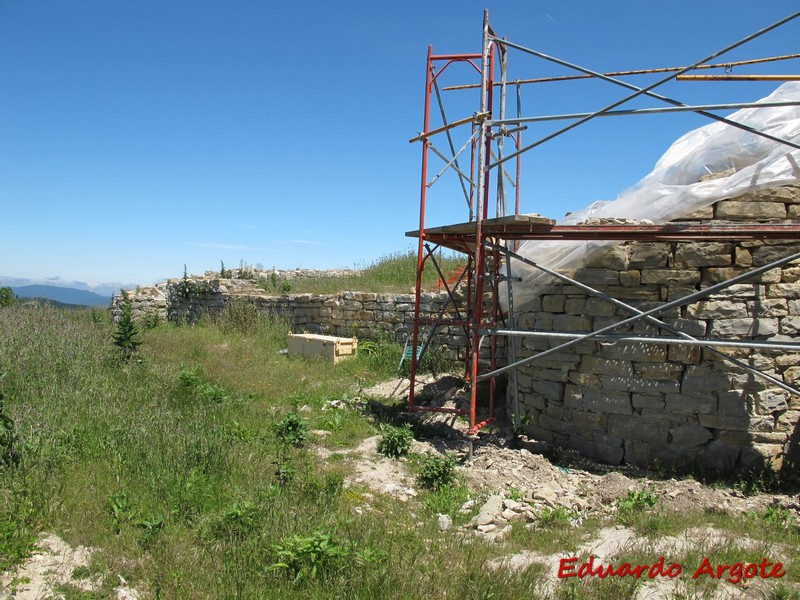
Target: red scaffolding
x,y
489,242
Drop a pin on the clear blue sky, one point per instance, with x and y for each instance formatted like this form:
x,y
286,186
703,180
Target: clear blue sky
x,y
136,137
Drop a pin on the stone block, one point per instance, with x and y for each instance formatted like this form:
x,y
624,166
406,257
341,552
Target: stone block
x,y
720,457
767,307
703,254
638,428
605,366
584,380
630,278
608,454
554,303
719,274
742,257
769,253
619,403
790,274
666,276
595,307
652,386
615,258
790,325
575,306
690,435
645,454
770,401
658,371
597,276
589,420
747,327
690,405
732,423
717,309
612,384
550,390
693,327
640,352
650,401
739,210
649,255
783,290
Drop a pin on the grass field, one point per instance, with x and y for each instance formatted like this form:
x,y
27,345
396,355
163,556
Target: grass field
x,y
188,466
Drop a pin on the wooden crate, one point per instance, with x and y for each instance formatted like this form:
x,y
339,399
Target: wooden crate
x,y
329,347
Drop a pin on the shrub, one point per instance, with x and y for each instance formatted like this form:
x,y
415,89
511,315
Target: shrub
x,y
396,441
7,297
437,471
637,501
319,555
292,430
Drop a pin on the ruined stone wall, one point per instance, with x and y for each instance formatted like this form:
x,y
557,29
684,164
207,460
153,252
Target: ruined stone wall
x,y
359,314
676,405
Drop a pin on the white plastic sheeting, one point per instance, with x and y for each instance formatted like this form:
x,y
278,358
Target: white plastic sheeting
x,y
673,189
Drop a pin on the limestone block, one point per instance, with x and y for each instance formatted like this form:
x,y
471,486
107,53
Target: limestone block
x,y
744,327
573,396
651,386
760,456
720,456
605,366
701,214
770,401
596,307
690,405
597,276
790,274
608,454
743,257
651,401
739,291
720,274
614,383
783,290
739,210
664,276
649,292
767,307
792,375
703,254
793,211
693,327
690,435
619,403
739,422
774,251
575,306
564,322
658,371
649,255
638,352
554,303
554,425
790,325
615,258
550,390
589,420
787,421
645,454
717,309
630,278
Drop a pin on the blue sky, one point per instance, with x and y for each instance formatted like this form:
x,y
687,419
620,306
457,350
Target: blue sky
x,y
136,137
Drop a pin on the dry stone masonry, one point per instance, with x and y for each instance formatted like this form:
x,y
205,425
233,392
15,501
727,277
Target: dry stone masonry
x,y
681,406
634,403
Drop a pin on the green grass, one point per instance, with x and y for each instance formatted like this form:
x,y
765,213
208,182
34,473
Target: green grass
x,y
392,273
180,466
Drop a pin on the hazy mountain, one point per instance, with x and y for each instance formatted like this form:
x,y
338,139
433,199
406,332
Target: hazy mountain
x,y
103,289
62,294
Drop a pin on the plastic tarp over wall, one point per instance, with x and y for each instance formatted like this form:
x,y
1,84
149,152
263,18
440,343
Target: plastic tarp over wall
x,y
674,188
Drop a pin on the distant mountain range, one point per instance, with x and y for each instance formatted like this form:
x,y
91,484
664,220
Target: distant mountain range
x,y
64,295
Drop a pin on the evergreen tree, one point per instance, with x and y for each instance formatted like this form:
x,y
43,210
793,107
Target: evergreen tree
x,y
127,334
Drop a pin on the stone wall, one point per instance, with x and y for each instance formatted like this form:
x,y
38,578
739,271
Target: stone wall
x,y
675,405
359,314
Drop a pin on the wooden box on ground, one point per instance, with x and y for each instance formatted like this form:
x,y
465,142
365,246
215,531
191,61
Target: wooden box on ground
x,y
328,347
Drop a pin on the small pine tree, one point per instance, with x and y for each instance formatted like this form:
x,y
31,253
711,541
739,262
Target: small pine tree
x,y
127,334
223,274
